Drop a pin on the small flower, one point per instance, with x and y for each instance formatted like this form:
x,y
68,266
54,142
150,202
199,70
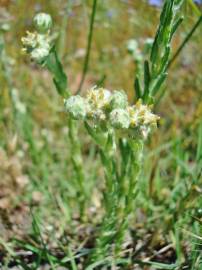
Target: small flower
x,y
99,98
134,117
148,43
37,45
119,118
76,107
39,54
133,49
150,118
141,115
42,22
29,42
132,45
119,100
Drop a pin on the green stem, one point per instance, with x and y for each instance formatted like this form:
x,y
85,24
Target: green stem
x,y
108,231
7,73
131,176
119,197
63,29
77,164
190,34
87,57
61,83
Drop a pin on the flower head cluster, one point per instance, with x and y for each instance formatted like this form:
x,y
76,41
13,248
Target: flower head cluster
x,y
100,106
37,44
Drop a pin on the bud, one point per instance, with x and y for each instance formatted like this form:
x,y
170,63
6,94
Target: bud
x,y
132,46
42,22
118,100
76,107
148,45
119,118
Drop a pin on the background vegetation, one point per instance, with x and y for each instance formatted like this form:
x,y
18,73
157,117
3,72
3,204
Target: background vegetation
x,y
40,224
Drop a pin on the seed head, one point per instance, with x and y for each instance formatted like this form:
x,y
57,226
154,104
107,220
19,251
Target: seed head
x,y
76,107
119,118
42,22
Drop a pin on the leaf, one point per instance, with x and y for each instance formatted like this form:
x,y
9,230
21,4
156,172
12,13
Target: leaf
x,y
163,266
147,79
199,145
157,84
137,88
59,77
165,59
92,132
176,25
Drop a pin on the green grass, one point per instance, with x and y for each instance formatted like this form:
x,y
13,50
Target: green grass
x,y
43,216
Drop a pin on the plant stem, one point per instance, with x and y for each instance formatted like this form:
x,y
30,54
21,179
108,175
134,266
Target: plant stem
x,y
109,227
61,83
87,57
190,34
118,197
63,31
77,164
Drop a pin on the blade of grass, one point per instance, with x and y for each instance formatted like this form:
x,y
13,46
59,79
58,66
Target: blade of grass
x,y
187,38
90,36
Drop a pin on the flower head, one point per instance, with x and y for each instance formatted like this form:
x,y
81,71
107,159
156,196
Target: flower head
x,y
111,111
39,54
42,22
119,118
30,41
119,100
98,98
38,43
76,107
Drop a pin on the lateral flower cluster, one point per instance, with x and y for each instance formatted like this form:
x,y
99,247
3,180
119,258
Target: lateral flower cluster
x,y
111,109
38,43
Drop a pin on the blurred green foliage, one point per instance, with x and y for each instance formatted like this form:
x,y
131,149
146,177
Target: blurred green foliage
x,y
35,167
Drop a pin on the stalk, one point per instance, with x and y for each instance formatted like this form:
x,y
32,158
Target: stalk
x,y
76,157
90,36
39,45
60,80
120,191
185,41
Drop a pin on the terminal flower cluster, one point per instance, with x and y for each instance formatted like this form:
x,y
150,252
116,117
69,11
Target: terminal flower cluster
x,y
111,109
38,43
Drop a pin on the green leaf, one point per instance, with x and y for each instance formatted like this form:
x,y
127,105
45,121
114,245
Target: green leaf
x,y
147,78
165,59
199,145
93,132
59,77
176,25
163,266
137,88
157,84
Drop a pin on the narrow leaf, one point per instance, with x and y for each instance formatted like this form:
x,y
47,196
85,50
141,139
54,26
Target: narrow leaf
x,y
137,88
147,78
